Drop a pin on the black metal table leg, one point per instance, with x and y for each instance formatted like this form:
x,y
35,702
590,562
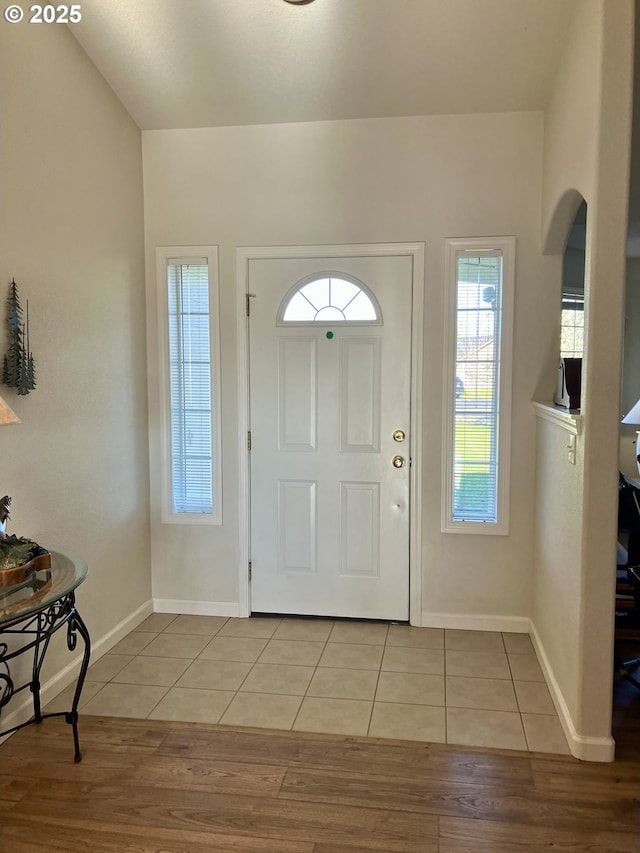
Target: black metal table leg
x,y
77,625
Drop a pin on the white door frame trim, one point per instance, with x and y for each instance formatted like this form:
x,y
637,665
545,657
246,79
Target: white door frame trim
x,y
245,254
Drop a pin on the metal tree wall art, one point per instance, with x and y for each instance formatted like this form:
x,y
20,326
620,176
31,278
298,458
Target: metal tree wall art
x,y
18,369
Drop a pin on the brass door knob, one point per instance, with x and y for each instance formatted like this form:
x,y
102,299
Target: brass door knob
x,y
399,435
398,461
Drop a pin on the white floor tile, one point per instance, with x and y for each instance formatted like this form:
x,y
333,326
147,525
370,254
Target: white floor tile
x,y
470,688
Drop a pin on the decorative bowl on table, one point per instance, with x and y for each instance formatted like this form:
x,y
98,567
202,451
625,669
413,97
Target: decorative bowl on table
x,y
20,558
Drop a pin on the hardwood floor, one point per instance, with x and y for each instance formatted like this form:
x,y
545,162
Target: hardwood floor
x,y
147,786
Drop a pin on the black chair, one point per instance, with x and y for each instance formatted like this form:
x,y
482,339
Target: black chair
x,y
628,577
622,667
628,523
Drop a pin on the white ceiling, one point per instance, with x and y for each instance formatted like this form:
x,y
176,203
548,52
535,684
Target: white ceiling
x,y
205,63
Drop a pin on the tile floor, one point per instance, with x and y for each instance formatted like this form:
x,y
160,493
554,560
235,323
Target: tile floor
x,y
474,688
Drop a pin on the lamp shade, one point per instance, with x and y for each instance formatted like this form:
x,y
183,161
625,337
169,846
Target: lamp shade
x,y
7,415
632,416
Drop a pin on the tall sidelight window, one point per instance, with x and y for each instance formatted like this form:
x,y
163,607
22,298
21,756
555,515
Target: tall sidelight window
x,y
191,435
480,280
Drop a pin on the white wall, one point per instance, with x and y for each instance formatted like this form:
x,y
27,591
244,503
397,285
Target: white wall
x,y
72,235
388,180
586,151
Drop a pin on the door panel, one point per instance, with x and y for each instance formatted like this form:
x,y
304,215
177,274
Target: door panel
x,y
360,395
297,536
360,529
297,394
329,511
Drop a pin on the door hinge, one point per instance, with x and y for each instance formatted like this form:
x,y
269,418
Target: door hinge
x,y
250,569
249,440
248,297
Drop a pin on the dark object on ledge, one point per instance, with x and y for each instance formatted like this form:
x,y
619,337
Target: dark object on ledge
x,y
569,384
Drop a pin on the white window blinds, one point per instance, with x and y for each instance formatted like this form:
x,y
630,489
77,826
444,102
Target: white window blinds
x,y
478,307
478,385
191,468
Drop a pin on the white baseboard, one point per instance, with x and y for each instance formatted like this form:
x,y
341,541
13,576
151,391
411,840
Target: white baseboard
x,y
509,624
57,683
581,746
196,608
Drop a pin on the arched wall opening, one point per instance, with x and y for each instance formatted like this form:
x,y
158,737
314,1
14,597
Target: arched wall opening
x,y
573,337
557,234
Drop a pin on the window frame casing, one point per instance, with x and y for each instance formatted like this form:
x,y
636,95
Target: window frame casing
x,y
164,254
454,247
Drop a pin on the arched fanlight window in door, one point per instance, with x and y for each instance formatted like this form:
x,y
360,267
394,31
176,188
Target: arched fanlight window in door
x,y
330,298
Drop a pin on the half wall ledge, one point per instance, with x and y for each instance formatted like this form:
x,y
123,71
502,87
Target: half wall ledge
x,y
571,420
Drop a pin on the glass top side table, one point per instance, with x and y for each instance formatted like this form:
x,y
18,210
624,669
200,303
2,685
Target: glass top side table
x,y
30,614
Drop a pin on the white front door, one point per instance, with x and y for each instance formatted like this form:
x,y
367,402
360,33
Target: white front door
x,y
330,417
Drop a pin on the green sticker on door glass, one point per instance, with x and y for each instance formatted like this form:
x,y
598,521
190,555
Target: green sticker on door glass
x,y
329,335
